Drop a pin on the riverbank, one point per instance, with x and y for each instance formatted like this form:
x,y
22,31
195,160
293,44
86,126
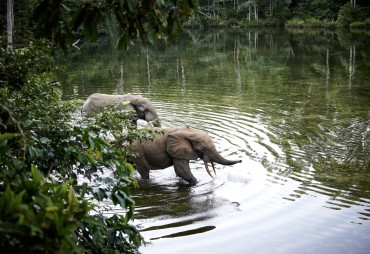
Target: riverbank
x,y
201,22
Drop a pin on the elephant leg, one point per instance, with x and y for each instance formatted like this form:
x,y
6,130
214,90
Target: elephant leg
x,y
142,167
182,170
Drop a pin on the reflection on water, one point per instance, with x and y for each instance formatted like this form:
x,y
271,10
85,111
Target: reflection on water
x,y
293,105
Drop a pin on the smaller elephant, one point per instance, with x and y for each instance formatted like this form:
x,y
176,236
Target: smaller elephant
x,y
176,147
144,109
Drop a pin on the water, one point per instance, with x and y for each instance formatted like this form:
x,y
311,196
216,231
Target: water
x,y
293,105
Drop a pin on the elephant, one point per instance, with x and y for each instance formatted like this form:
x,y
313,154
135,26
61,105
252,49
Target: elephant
x,y
144,109
176,146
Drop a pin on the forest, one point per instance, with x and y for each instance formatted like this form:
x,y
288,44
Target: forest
x,y
298,13
44,149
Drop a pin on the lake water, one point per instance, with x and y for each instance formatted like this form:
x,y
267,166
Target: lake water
x,y
294,105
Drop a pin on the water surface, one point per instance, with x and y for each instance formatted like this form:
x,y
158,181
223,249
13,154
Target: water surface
x,y
293,105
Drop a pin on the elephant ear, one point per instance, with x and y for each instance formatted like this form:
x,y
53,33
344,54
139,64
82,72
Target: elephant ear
x,y
179,146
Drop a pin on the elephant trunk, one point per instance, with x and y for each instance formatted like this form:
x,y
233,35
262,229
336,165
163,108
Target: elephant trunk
x,y
214,156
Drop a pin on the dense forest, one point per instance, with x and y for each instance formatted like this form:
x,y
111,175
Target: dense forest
x,y
44,148
318,13
208,13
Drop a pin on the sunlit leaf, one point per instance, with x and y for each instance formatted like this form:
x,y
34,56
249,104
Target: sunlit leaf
x,y
6,136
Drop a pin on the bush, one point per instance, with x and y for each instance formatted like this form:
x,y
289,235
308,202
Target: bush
x,y
44,149
254,22
361,24
313,22
271,21
40,215
15,66
295,22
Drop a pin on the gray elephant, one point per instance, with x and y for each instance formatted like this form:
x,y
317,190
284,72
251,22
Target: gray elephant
x,y
176,147
144,109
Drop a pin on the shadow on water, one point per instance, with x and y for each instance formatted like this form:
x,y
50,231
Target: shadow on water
x,y
187,232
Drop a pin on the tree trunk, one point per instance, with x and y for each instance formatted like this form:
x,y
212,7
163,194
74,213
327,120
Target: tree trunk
x,y
9,24
271,7
256,12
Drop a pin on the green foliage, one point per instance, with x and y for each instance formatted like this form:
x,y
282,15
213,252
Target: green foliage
x,y
41,215
361,24
310,23
349,14
314,13
45,148
295,22
145,20
318,9
15,66
23,24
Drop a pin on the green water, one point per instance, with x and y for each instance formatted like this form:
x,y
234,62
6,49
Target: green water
x,y
294,105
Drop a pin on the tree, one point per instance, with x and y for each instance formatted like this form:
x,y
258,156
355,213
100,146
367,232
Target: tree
x,y
10,23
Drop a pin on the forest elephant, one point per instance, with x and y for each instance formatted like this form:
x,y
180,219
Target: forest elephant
x,y
176,147
143,108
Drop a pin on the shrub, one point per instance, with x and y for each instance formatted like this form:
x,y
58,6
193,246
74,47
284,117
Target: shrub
x,y
271,21
44,148
361,24
313,22
295,22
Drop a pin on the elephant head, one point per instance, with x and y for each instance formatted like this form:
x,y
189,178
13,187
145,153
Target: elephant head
x,y
143,108
190,144
177,146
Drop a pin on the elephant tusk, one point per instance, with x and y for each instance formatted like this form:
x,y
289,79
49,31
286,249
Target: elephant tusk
x,y
213,166
209,173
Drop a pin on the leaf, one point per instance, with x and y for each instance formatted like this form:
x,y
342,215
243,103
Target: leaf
x,y
6,136
37,178
51,208
44,140
94,220
72,200
130,168
78,17
84,190
34,152
118,199
121,198
101,194
91,142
